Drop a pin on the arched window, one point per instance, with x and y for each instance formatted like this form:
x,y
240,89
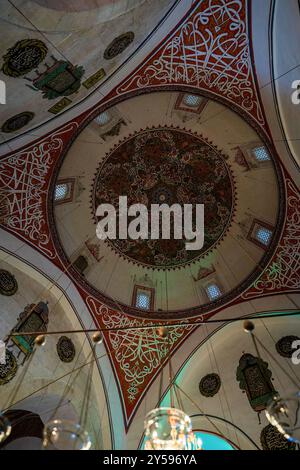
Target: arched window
x,y
260,233
143,297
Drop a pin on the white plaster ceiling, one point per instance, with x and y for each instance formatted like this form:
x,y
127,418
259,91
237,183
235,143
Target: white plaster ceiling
x,y
78,34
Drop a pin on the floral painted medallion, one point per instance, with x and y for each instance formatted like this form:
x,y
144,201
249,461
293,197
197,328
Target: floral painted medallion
x,y
166,165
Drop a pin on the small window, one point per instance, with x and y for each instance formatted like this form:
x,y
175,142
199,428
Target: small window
x,y
192,100
64,190
81,264
61,192
190,103
213,291
261,154
263,235
143,298
103,118
260,233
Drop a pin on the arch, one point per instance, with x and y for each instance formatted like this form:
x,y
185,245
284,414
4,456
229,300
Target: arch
x,y
24,423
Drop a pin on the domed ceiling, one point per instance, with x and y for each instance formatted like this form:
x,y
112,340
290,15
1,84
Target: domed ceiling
x,y
155,149
44,69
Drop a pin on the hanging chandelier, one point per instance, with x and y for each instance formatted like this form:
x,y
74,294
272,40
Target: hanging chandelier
x,y
170,429
62,434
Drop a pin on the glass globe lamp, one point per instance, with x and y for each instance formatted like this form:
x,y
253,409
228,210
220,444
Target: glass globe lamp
x,y
65,435
284,414
167,429
5,427
194,442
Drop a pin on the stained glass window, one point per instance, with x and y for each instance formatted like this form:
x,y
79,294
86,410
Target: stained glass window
x,y
261,154
61,192
103,118
213,291
263,235
143,300
192,100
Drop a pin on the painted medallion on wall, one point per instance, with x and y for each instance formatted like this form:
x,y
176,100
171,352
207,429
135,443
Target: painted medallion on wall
x,y
272,439
8,283
24,57
9,369
16,122
284,346
166,165
65,349
118,45
254,378
210,385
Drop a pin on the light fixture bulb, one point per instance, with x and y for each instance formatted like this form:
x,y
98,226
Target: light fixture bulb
x,y
40,340
97,337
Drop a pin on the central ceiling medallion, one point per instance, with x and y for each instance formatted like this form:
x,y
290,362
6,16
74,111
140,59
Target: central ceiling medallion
x,y
167,166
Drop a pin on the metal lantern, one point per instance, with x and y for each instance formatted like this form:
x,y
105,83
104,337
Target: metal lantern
x,y
284,414
65,435
168,429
